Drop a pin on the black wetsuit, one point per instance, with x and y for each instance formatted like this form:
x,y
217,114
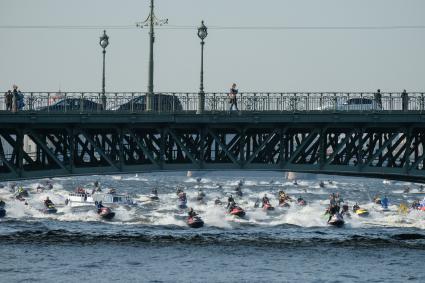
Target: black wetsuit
x,y
48,202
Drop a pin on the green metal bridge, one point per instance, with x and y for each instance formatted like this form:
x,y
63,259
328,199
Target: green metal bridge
x,y
315,133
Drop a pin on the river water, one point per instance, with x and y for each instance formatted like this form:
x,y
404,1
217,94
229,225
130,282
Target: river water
x,y
151,242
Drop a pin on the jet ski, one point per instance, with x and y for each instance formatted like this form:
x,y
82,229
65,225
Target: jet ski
x,y
195,222
237,211
284,204
106,213
22,193
362,212
153,197
50,209
200,197
336,220
268,207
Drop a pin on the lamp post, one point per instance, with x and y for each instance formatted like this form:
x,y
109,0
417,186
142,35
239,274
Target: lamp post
x,y
104,42
202,34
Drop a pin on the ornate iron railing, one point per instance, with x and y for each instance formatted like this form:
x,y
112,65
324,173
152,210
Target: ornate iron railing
x,y
135,102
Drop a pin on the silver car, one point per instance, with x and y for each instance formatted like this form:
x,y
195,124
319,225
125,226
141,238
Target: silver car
x,y
353,104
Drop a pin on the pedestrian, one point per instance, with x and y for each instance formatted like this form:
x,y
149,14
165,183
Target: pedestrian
x,y
15,98
21,103
404,101
8,100
378,99
232,98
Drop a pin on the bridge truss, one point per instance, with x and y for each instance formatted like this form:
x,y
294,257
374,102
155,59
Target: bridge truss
x,y
374,144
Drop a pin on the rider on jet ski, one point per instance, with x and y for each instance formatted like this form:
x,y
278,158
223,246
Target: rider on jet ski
x,y
230,203
154,192
182,196
99,205
338,199
201,194
48,202
332,210
300,200
191,213
356,207
416,204
334,202
266,200
345,210
384,202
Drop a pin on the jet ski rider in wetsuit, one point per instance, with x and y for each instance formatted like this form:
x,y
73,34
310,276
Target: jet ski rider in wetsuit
x,y
191,213
230,203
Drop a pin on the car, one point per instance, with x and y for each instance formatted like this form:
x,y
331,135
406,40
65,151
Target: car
x,y
353,104
73,104
169,103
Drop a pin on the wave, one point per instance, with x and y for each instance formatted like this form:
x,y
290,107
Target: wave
x,y
183,236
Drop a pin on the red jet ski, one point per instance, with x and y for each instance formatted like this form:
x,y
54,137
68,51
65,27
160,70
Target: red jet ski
x,y
195,222
268,207
106,213
237,211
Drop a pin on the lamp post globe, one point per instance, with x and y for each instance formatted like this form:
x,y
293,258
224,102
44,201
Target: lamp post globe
x,y
202,31
202,34
104,42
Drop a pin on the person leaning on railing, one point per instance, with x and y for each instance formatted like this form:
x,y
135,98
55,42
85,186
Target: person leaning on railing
x,y
378,98
404,101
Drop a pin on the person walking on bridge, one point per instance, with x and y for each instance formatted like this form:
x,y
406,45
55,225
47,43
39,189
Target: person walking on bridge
x,y
232,97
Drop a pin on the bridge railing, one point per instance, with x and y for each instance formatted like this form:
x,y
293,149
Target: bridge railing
x,y
165,102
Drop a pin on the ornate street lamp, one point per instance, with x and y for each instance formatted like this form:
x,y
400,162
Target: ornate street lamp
x,y
104,42
202,34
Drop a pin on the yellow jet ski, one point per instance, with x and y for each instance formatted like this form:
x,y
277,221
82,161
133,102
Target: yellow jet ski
x,y
361,212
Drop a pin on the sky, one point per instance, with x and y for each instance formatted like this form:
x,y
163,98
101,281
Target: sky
x,y
257,60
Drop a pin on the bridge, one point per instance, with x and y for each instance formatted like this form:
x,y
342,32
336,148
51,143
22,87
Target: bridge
x,y
63,134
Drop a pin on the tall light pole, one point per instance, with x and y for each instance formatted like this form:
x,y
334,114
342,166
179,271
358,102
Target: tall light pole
x,y
151,21
202,34
149,97
104,42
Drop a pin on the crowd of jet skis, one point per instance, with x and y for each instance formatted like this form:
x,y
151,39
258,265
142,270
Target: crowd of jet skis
x,y
335,211
49,207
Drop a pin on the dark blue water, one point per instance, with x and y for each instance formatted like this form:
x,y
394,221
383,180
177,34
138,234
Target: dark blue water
x,y
151,243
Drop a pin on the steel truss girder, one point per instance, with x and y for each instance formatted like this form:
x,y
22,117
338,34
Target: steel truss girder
x,y
357,149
